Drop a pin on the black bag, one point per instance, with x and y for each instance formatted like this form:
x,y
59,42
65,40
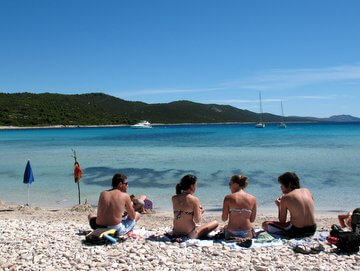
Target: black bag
x,y
348,242
335,230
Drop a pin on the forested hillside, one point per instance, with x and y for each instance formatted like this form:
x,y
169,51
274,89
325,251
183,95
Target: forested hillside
x,y
27,109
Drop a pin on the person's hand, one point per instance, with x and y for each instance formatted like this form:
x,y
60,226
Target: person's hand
x,y
277,201
202,209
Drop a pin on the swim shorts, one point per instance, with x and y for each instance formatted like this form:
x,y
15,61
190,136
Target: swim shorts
x,y
232,233
124,226
290,231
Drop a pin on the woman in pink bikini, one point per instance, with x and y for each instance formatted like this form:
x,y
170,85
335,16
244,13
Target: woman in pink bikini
x,y
240,208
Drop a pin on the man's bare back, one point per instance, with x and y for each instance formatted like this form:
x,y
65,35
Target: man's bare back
x,y
111,207
300,204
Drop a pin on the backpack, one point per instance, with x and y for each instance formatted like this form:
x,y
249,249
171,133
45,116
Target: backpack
x,y
97,237
348,242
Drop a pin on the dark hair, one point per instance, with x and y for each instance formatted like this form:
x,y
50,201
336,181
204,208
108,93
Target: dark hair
x,y
185,183
76,163
355,219
242,181
289,180
118,178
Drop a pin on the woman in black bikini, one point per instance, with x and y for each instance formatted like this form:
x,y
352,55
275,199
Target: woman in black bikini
x,y
188,211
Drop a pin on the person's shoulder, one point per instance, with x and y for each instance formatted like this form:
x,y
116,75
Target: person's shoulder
x,y
103,193
252,197
304,190
228,197
193,198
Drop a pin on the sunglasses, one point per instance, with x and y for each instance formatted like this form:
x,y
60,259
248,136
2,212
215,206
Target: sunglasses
x,y
126,183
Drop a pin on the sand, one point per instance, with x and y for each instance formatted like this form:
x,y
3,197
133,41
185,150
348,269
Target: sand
x,y
48,239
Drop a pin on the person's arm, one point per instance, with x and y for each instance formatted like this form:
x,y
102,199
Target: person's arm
x,y
197,211
129,208
282,212
253,213
342,219
225,210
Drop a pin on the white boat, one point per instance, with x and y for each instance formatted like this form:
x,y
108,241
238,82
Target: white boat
x,y
142,125
260,124
282,123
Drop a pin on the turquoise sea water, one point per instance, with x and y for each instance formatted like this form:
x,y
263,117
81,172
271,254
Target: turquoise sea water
x,y
325,156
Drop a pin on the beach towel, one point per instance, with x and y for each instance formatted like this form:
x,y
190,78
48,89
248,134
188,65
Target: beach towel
x,y
215,236
139,233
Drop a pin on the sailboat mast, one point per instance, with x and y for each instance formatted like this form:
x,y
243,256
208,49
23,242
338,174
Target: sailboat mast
x,y
261,110
282,112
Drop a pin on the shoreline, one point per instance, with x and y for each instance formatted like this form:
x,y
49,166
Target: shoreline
x,y
153,124
168,209
270,211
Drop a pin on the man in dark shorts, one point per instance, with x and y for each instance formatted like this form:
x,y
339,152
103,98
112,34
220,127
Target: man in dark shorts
x,y
300,204
112,207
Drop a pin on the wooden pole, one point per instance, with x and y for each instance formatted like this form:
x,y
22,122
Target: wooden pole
x,y
78,182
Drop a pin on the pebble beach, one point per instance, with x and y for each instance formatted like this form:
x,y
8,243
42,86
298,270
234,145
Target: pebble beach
x,y
34,238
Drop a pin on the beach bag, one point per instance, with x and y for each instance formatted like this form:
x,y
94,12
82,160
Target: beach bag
x,y
346,241
97,237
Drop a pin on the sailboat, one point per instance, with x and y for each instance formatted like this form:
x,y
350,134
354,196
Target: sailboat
x,y
282,123
260,124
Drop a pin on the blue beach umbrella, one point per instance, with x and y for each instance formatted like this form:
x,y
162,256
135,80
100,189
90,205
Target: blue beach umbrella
x,y
28,177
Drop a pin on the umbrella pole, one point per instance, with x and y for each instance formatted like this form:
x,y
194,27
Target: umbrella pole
x,y
78,182
28,186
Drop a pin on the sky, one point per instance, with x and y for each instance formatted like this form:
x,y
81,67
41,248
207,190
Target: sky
x,y
305,53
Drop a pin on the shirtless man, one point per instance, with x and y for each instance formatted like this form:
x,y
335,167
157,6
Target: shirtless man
x,y
299,202
112,206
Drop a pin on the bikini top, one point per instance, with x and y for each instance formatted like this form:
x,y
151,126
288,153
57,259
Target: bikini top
x,y
178,213
240,210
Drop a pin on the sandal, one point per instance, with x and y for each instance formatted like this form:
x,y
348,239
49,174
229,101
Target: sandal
x,y
317,249
308,250
302,249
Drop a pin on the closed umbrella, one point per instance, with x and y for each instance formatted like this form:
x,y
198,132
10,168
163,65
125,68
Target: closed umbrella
x,y
28,178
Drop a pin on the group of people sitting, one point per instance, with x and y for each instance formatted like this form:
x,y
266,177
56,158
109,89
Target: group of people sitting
x,y
116,209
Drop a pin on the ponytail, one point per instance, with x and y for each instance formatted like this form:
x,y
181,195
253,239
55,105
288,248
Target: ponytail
x,y
178,189
185,183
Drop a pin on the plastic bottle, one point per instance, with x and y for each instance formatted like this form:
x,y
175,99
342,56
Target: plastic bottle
x,y
110,238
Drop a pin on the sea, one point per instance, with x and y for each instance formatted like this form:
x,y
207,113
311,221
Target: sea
x,y
325,156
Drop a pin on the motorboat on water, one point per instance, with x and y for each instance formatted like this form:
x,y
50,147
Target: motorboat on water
x,y
142,125
260,125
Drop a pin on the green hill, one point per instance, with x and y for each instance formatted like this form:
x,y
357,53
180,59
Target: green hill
x,y
27,109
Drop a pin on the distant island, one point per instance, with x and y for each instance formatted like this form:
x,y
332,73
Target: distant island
x,y
47,109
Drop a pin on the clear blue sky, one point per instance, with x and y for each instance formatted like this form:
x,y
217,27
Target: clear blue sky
x,y
306,53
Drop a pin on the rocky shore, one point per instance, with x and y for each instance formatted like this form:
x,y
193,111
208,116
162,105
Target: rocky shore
x,y
50,239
